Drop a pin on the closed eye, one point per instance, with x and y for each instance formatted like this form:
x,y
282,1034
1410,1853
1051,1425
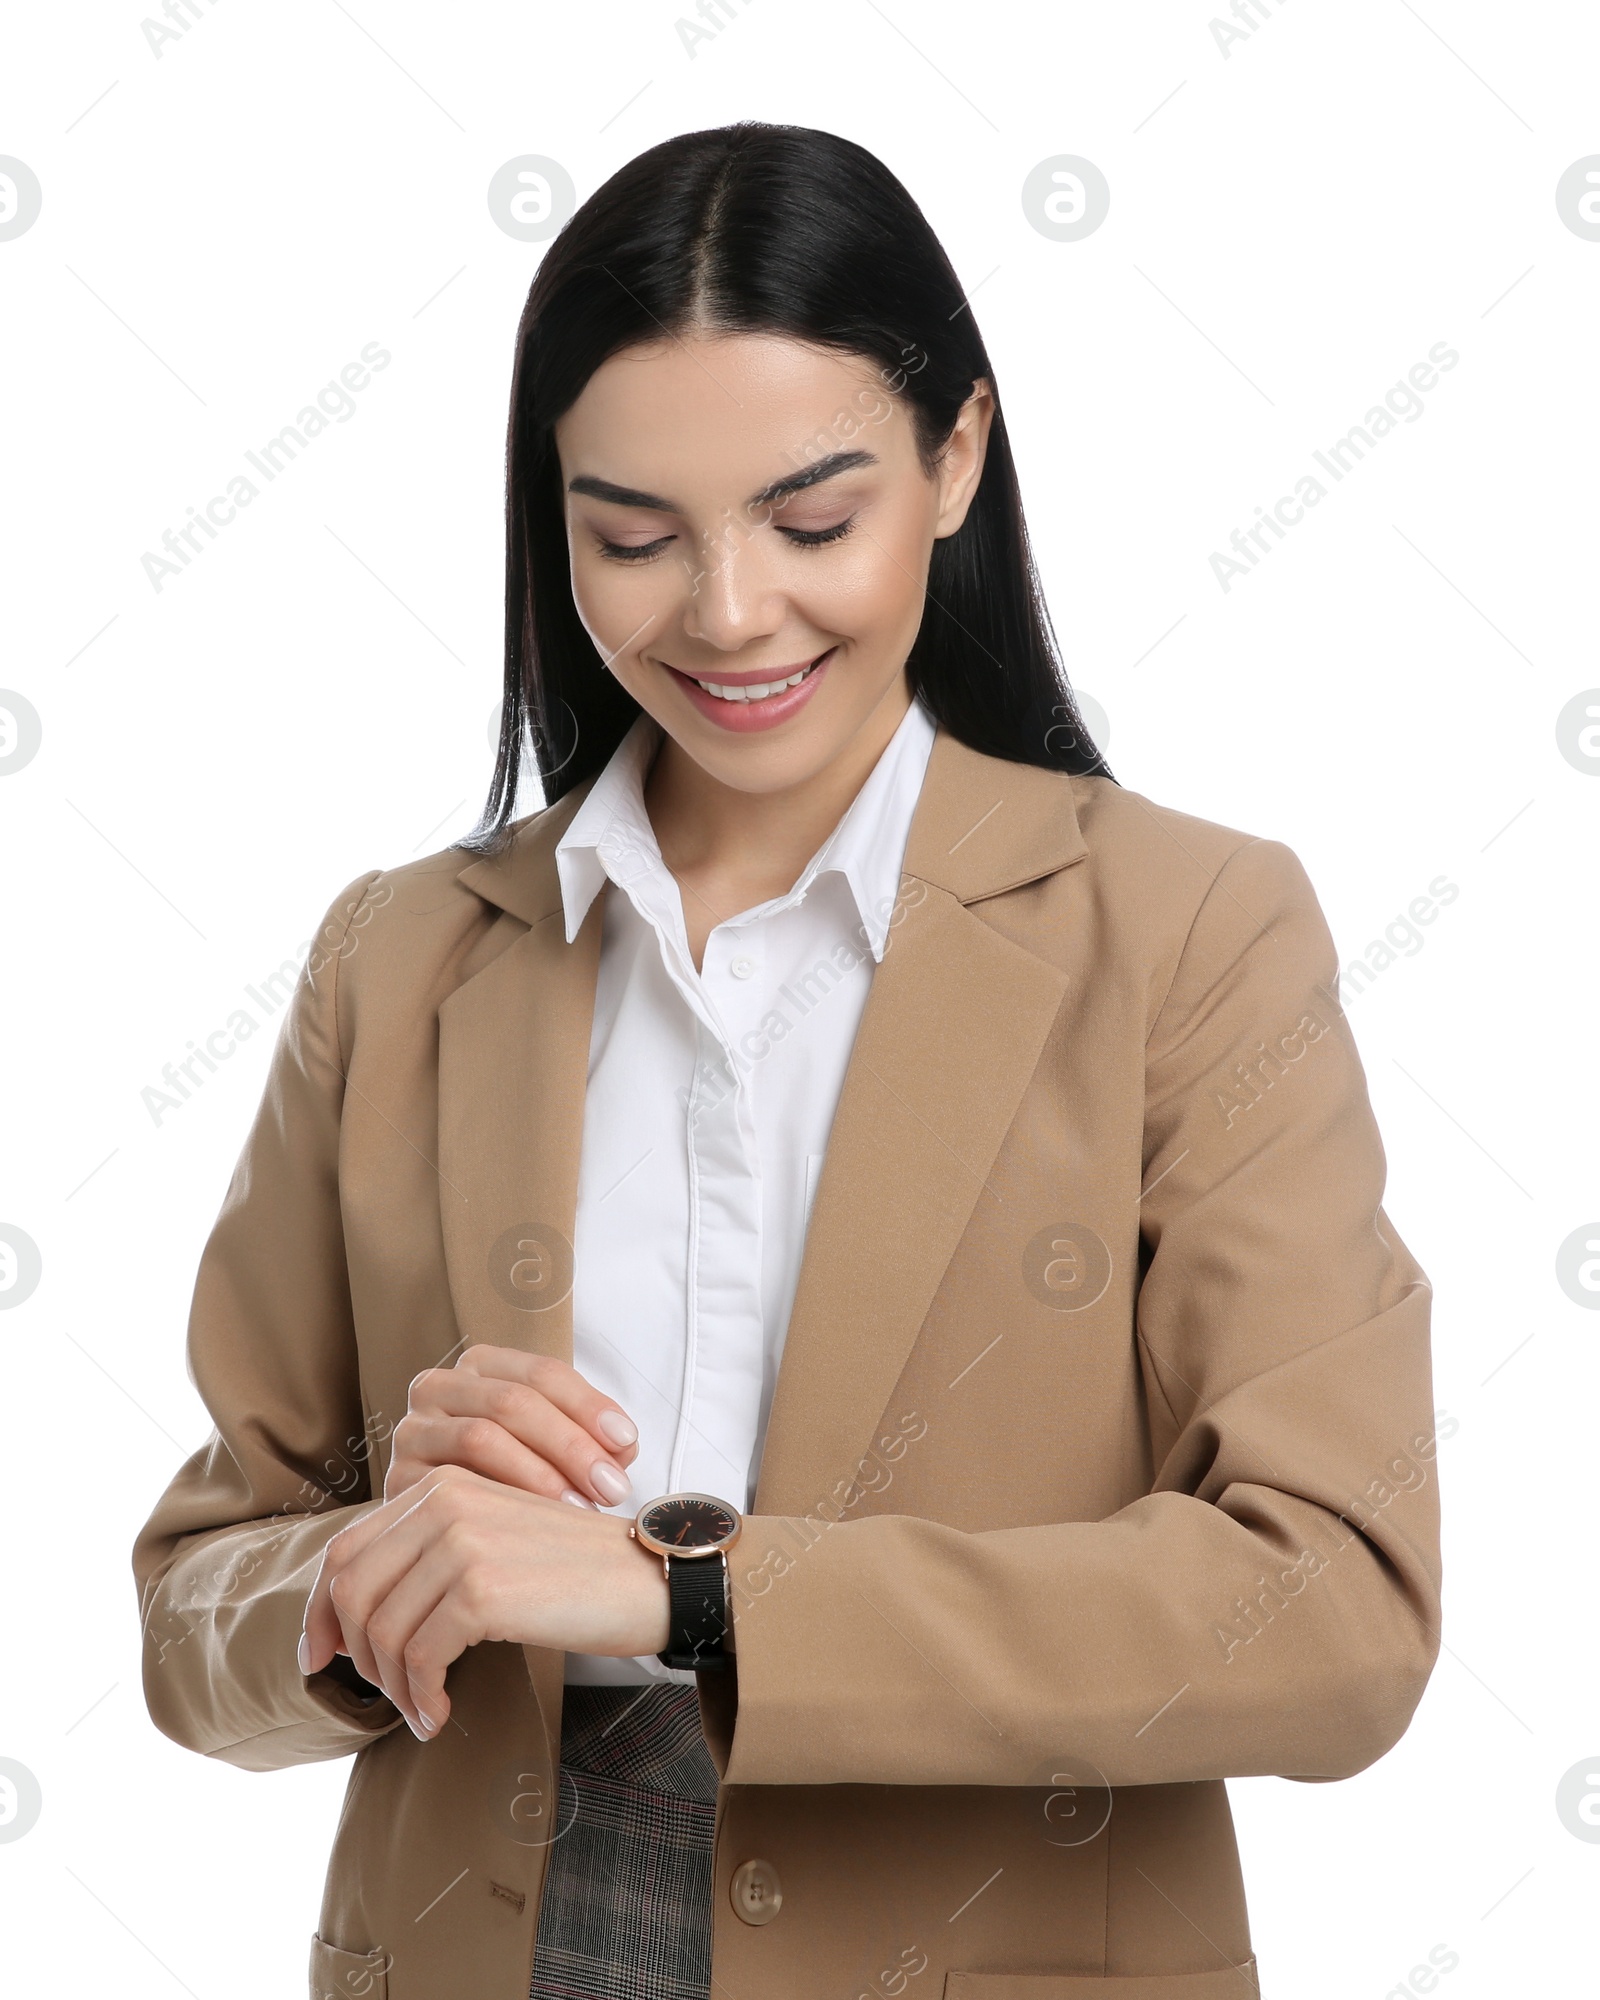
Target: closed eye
x,y
624,552
802,538
813,538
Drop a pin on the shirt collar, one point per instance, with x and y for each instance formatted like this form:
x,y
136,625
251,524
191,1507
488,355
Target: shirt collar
x,y
610,835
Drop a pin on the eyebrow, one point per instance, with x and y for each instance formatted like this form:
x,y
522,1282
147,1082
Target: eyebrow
x,y
780,489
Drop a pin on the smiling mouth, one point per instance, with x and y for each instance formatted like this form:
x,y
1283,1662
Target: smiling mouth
x,y
757,690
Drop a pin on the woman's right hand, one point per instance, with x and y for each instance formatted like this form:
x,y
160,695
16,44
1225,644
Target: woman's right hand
x,y
524,1419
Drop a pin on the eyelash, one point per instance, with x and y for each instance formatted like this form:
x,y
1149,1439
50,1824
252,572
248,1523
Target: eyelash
x,y
802,538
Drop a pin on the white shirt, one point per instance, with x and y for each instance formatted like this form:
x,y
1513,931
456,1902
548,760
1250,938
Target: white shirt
x,y
710,1098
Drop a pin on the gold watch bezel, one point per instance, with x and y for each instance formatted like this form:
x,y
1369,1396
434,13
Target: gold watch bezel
x,y
642,1535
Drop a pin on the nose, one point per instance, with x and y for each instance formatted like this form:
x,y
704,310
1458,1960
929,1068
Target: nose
x,y
732,598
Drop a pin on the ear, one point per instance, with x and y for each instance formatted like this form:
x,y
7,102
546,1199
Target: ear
x,y
961,465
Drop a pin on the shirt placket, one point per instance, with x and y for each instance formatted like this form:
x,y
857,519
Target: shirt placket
x,y
720,1397
723,1330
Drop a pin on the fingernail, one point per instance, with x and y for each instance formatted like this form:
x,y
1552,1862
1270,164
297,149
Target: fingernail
x,y
614,1427
609,1482
577,1500
303,1654
427,1722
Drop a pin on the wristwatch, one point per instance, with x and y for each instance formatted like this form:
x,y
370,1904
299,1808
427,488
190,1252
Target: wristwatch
x,y
692,1533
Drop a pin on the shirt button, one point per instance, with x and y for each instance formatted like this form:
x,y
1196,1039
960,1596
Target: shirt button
x,y
741,968
757,1896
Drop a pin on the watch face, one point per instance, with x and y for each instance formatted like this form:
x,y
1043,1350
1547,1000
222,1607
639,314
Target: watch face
x,y
686,1524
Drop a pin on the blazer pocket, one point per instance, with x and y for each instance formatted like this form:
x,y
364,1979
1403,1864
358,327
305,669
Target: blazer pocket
x,y
1228,1982
348,1975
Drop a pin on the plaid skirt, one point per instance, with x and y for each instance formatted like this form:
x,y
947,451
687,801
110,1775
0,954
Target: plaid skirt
x,y
626,1913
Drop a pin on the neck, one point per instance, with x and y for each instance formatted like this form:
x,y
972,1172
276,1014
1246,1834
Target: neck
x,y
730,849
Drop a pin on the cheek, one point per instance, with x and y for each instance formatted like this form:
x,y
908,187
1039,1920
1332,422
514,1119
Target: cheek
x,y
878,586
613,599
869,602
624,610
887,597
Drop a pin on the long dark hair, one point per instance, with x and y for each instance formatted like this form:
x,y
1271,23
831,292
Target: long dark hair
x,y
770,229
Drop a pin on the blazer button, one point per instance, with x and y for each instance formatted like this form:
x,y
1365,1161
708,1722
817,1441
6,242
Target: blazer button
x,y
756,1892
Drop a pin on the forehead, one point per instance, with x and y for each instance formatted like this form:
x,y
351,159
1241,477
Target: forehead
x,y
726,413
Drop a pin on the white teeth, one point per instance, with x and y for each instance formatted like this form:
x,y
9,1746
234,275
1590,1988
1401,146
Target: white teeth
x,y
757,691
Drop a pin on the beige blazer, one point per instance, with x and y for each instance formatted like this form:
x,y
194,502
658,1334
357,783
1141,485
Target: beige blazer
x,y
1101,1462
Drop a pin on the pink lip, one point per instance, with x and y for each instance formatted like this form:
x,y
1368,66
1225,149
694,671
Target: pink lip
x,y
744,716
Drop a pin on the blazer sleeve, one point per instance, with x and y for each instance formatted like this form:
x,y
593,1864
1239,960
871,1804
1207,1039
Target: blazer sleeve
x,y
227,1558
1272,1604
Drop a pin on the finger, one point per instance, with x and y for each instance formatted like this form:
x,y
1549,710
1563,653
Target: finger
x,y
439,1638
482,1445
605,1420
351,1561
388,1600
353,1639
495,1414
322,1635
391,1625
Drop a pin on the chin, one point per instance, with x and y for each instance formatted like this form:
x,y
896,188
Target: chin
x,y
763,765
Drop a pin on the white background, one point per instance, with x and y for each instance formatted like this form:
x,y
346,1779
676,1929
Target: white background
x,y
1293,225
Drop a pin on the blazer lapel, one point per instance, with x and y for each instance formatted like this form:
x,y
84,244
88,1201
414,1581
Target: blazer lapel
x,y
513,1070
951,1034
513,1058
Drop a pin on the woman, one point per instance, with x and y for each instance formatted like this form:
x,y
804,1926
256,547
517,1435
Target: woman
x,y
840,1011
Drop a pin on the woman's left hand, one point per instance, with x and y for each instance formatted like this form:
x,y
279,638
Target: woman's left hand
x,y
457,1559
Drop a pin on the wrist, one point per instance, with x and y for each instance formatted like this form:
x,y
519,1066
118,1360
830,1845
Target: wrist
x,y
652,1625
691,1534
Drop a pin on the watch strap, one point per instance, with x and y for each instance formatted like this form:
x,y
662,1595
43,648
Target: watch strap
x,y
697,1589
